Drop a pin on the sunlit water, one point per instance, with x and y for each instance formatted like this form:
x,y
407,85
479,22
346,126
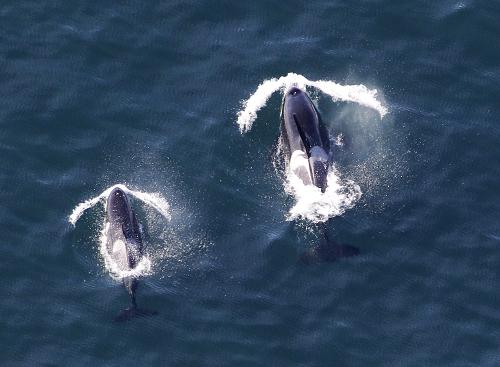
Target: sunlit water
x,y
150,94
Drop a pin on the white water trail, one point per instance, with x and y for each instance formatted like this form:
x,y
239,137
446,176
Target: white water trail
x,y
81,208
347,93
315,206
144,267
151,199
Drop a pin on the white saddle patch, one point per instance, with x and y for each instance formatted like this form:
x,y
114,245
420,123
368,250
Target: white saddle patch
x,y
119,254
299,166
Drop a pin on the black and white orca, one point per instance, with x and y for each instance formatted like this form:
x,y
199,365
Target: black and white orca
x,y
306,142
306,145
124,245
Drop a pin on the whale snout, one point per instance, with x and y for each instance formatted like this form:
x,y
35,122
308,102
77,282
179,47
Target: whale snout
x,y
117,198
294,91
118,207
117,194
296,100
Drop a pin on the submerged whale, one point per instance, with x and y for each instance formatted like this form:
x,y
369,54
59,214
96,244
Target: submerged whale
x,y
306,145
124,245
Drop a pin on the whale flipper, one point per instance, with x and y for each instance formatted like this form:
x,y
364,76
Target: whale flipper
x,y
132,312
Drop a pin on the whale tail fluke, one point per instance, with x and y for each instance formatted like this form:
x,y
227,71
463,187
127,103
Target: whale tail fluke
x,y
133,311
328,251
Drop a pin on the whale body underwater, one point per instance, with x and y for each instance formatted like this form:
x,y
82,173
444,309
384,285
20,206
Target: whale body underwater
x,y
125,246
306,146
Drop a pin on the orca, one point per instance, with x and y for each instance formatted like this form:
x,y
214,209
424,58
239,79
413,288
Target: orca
x,y
306,145
124,245
306,142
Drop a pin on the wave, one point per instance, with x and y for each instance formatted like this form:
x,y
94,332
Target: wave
x,y
151,199
347,93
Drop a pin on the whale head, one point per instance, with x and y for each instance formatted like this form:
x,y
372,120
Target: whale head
x,y
119,211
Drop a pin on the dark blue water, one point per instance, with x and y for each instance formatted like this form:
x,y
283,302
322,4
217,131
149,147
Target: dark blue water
x,y
147,94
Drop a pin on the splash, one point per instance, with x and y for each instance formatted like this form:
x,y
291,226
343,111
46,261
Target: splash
x,y
144,267
315,206
339,140
347,93
151,199
310,203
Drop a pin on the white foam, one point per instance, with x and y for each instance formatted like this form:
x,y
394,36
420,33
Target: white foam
x,y
339,140
151,199
313,205
347,93
115,270
81,208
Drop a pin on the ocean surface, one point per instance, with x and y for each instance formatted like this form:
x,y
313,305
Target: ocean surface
x,y
150,95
